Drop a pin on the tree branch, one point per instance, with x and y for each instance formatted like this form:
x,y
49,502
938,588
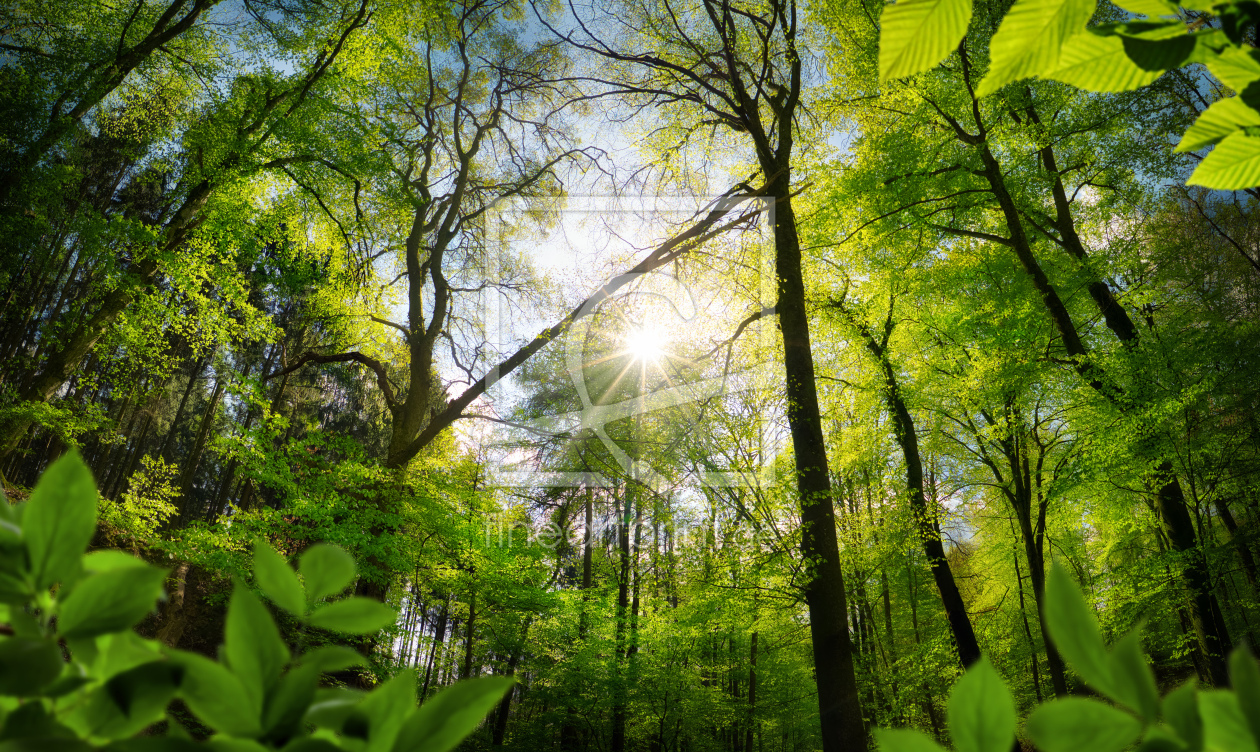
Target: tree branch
x,y
382,378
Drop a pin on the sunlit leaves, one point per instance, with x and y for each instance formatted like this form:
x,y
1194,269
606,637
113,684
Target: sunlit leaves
x,y
1218,121
918,34
1029,39
1233,165
1098,62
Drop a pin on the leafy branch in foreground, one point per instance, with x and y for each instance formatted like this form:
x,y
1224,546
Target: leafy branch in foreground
x,y
1051,39
74,676
982,709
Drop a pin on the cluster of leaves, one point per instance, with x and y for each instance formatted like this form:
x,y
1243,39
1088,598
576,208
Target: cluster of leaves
x,y
74,676
982,710
1051,39
148,502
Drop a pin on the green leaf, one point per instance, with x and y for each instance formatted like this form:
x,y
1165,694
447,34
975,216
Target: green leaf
x,y
110,559
14,590
331,658
1208,45
217,697
1072,626
1224,727
1218,121
135,687
1158,55
1235,68
60,519
1097,62
332,707
286,706
386,708
1158,740
1028,41
129,702
1232,165
31,722
445,719
915,35
1244,676
1152,8
27,666
277,580
905,740
326,569
981,711
1075,724
65,685
111,601
252,644
355,616
1181,712
1133,682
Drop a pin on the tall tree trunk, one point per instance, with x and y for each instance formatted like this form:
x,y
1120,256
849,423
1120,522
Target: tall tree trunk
x,y
1170,498
569,737
618,740
505,705
838,701
907,436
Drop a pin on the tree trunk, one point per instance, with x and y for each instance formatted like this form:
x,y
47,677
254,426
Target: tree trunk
x,y
1032,645
838,702
193,460
470,634
929,538
618,740
439,634
752,693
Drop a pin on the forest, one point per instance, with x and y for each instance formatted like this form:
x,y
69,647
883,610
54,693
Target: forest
x,y
726,374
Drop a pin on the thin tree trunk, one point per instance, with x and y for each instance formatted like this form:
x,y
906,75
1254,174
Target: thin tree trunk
x,y
439,634
194,457
470,634
752,692
1023,614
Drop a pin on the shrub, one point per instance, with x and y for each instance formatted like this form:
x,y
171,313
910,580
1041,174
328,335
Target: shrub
x,y
1130,712
75,677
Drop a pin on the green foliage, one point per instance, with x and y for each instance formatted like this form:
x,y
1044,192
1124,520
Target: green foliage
x,y
982,711
1050,39
111,685
147,503
917,34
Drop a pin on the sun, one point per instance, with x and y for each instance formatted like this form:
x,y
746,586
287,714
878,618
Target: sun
x,y
646,344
